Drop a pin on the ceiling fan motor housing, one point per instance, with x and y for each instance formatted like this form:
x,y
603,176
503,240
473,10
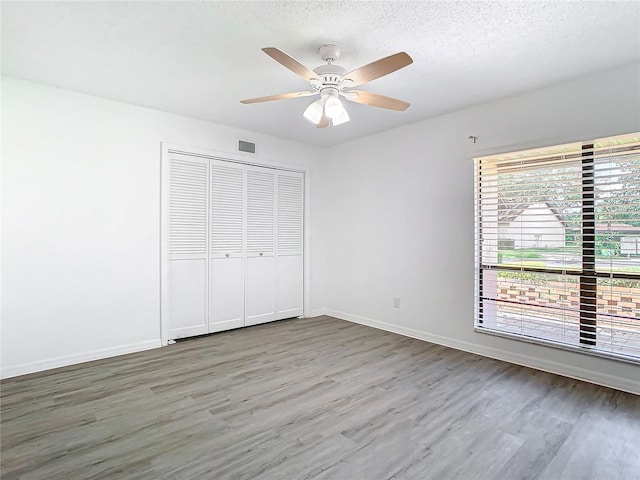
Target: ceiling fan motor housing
x,y
330,74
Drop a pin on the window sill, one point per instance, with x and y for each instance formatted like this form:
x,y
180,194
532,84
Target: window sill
x,y
587,350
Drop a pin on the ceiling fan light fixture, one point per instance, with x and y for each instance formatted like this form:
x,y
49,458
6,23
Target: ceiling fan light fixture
x,y
313,112
333,107
342,118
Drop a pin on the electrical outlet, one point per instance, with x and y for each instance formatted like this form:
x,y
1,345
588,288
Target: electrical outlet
x,y
396,302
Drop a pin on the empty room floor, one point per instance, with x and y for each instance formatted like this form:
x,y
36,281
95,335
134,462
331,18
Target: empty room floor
x,y
316,398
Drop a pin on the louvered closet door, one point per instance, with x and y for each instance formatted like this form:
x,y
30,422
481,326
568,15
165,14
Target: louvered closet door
x,y
188,198
260,284
289,246
226,279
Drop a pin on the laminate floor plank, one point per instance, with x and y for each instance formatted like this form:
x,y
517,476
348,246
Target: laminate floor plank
x,y
314,399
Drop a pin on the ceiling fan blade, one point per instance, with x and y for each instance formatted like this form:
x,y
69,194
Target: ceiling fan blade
x,y
291,63
377,69
376,100
281,96
324,121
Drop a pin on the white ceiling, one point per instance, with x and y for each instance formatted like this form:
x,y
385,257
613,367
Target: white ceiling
x,y
201,58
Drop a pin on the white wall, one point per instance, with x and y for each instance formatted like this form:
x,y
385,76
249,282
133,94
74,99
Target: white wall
x,y
397,212
392,216
81,220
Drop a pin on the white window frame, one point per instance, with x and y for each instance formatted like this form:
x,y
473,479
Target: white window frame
x,y
587,347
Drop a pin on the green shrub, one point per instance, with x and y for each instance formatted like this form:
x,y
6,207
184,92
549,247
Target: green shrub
x,y
607,245
534,278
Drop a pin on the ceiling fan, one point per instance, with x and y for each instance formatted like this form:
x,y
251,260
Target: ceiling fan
x,y
330,82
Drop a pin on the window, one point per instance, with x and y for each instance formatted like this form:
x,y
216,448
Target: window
x,y
558,245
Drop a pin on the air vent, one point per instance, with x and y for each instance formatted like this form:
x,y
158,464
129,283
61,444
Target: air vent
x,y
246,146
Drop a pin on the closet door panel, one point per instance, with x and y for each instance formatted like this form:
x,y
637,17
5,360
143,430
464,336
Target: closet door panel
x,y
226,304
289,292
260,290
260,284
188,275
187,300
226,280
289,247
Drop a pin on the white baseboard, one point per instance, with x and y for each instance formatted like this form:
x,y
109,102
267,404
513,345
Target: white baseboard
x,y
606,380
40,365
317,313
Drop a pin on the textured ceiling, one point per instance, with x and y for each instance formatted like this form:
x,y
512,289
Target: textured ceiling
x,y
201,58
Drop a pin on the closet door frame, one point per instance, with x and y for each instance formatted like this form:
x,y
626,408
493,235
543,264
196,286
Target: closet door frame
x,y
237,157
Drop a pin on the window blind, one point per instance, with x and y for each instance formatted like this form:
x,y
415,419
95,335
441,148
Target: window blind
x,y
558,245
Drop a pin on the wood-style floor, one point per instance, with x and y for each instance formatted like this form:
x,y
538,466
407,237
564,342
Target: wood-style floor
x,y
313,399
